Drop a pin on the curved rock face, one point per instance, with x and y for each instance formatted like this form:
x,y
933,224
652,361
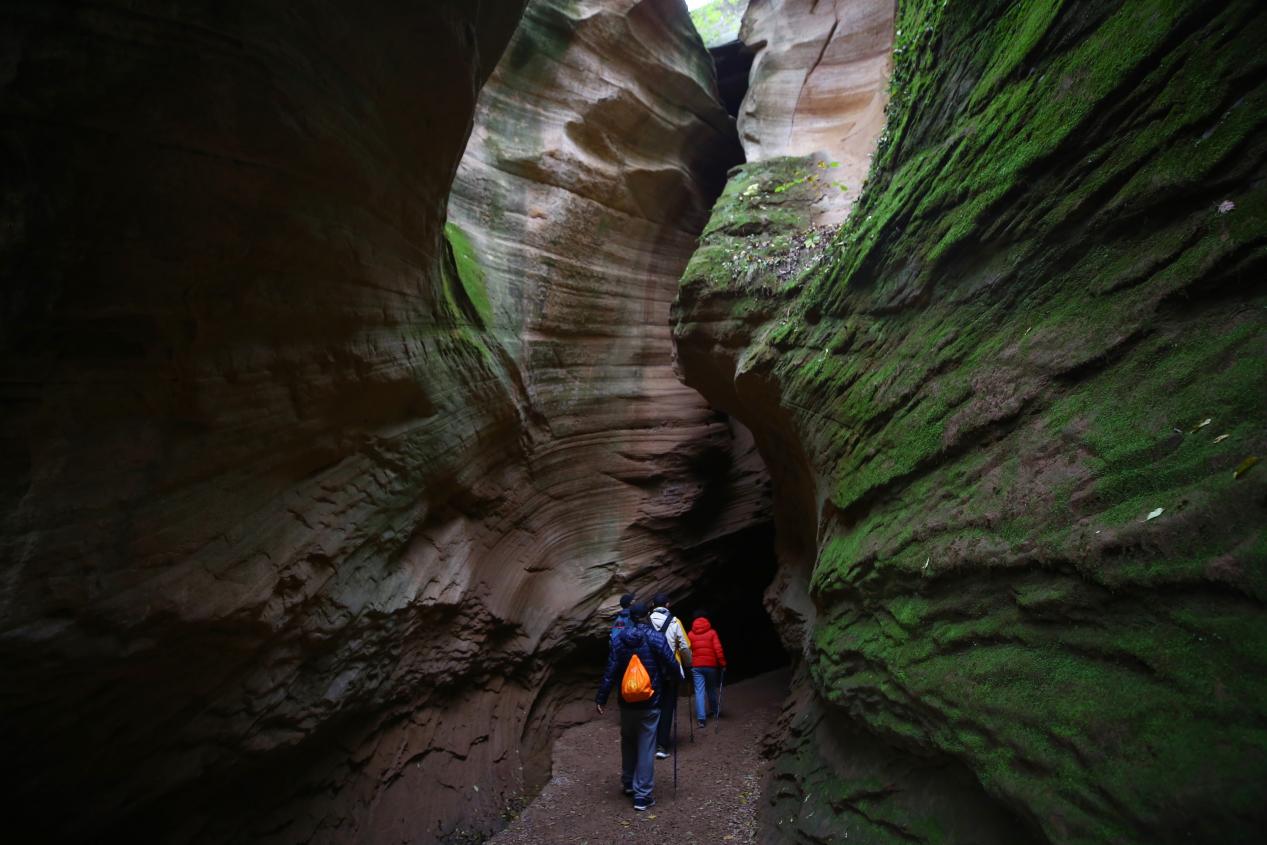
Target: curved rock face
x,y
819,84
303,503
1012,411
235,409
598,150
590,172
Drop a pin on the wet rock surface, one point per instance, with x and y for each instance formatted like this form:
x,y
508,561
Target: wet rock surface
x,y
1009,408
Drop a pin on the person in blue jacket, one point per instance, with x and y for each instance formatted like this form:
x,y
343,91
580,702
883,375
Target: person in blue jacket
x,y
638,720
621,619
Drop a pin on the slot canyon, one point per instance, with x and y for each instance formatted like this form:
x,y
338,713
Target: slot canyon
x,y
355,360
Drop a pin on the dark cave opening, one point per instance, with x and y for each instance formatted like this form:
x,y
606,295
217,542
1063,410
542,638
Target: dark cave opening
x,y
732,595
732,61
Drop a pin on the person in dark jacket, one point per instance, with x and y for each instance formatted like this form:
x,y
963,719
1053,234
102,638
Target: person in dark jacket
x,y
622,615
708,660
638,720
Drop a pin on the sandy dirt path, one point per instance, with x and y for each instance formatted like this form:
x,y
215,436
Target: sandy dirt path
x,y
719,779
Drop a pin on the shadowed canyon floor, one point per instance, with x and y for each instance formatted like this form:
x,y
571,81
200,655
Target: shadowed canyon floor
x,y
719,779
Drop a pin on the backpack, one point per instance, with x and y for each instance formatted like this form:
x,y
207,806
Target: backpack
x,y
669,619
635,686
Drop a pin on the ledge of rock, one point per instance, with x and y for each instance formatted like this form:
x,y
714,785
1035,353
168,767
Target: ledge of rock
x,y
1011,406
818,85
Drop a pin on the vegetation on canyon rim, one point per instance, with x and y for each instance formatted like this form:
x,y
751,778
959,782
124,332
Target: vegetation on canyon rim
x,y
719,20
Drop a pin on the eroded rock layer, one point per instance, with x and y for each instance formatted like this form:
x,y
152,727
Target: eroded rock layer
x,y
598,150
819,84
303,503
1013,410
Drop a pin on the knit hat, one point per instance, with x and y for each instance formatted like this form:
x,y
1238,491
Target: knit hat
x,y
626,600
661,600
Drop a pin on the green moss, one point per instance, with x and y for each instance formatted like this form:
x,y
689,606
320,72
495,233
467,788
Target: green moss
x,y
1054,265
718,22
470,275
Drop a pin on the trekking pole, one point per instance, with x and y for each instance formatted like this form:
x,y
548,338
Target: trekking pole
x,y
690,694
721,685
675,749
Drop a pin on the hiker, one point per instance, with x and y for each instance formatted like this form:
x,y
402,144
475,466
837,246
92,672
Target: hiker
x,y
708,661
638,719
622,615
669,625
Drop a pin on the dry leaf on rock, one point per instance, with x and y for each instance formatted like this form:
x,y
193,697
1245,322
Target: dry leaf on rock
x,y
1245,466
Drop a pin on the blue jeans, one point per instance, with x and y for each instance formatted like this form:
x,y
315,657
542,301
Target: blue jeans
x,y
705,682
637,750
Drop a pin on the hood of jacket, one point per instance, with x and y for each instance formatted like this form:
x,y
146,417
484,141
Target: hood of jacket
x,y
700,625
635,634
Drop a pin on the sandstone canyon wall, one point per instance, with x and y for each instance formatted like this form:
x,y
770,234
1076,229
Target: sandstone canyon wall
x,y
598,150
599,147
818,84
1012,408
305,503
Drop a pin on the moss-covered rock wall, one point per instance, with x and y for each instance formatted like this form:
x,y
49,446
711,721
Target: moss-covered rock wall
x,y
1015,403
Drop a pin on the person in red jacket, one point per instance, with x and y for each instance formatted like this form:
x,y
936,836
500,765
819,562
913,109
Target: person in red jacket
x,y
707,662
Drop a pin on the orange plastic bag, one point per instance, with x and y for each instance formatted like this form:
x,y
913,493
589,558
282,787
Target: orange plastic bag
x,y
636,685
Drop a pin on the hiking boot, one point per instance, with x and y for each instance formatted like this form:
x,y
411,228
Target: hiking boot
x,y
701,723
660,753
642,805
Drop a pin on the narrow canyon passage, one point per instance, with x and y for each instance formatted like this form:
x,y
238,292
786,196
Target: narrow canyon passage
x,y
355,361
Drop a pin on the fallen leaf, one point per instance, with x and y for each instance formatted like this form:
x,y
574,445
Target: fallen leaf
x,y
1221,438
1201,425
1154,514
1245,466
1226,206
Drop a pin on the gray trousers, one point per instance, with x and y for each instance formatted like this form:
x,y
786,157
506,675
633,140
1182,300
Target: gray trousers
x,y
637,750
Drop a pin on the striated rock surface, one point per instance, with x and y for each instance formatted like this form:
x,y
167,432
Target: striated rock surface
x,y
1011,410
304,503
819,84
598,150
